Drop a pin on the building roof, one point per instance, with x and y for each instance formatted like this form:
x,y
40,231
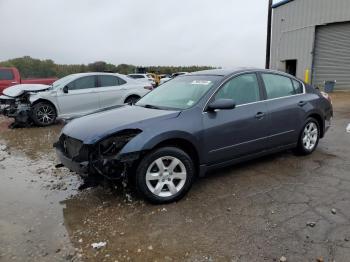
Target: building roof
x,y
281,3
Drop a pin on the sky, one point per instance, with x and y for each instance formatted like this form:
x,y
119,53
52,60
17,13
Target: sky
x,y
227,33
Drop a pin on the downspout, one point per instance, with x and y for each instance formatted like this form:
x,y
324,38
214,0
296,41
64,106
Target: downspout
x,y
268,38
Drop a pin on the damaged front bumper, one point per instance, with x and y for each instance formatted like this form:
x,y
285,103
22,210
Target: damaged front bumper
x,y
87,162
13,108
80,168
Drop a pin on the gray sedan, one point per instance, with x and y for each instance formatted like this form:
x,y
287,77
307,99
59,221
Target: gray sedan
x,y
195,123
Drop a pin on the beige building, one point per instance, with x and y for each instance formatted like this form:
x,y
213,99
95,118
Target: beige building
x,y
311,39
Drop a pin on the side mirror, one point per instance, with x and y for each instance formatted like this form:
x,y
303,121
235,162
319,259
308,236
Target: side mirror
x,y
65,89
221,104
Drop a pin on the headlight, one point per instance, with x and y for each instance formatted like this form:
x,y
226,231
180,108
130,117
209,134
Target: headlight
x,y
112,145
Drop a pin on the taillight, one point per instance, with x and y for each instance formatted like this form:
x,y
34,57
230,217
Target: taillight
x,y
148,87
328,97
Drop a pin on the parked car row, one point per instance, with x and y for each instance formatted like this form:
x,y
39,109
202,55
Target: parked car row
x,y
193,124
155,79
69,97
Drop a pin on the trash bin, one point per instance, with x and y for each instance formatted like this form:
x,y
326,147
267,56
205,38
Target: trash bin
x,y
329,86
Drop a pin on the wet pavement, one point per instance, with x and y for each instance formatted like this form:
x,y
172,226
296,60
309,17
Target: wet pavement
x,y
280,205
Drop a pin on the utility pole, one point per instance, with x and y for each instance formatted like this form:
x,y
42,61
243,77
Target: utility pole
x,y
268,38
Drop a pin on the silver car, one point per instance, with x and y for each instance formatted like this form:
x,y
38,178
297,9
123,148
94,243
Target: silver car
x,y
69,97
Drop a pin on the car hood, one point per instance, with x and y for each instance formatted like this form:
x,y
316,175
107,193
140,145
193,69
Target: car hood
x,y
95,127
17,90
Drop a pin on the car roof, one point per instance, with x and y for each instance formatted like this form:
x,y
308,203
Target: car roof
x,y
96,73
229,72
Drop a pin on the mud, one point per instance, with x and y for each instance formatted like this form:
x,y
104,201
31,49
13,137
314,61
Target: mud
x,y
281,205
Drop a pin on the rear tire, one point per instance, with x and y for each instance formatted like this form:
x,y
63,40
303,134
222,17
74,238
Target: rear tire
x,y
165,175
309,137
131,100
44,114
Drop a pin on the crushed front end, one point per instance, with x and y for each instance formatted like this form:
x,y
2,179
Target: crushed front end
x,y
102,159
18,108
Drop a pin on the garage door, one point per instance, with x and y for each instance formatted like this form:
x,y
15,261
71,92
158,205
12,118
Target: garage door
x,y
332,55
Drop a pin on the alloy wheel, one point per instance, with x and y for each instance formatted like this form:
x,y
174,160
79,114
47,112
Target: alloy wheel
x,y
166,176
45,114
310,136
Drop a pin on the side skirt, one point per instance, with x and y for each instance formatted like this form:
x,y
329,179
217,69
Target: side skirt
x,y
204,169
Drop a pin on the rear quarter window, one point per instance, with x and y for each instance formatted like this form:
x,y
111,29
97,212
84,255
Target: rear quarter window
x,y
6,74
298,87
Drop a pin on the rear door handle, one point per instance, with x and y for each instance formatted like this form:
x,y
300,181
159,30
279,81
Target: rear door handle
x,y
301,103
260,115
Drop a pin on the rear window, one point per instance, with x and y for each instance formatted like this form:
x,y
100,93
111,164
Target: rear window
x,y
110,81
278,86
6,74
136,76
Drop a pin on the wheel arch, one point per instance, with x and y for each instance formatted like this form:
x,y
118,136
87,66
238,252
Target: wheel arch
x,y
182,144
131,95
41,100
319,120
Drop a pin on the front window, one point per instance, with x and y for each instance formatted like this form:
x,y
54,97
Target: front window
x,y
242,89
83,83
180,93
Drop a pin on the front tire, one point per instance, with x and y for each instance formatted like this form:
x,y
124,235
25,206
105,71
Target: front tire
x,y
165,175
44,114
309,137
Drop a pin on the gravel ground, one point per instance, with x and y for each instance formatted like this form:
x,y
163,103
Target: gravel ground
x,y
275,208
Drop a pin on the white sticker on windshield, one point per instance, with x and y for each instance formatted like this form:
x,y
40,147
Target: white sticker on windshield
x,y
190,102
201,82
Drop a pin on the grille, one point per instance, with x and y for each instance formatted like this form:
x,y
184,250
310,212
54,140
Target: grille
x,y
70,146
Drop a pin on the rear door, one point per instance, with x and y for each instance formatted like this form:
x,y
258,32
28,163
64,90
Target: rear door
x,y
230,134
111,90
82,97
285,102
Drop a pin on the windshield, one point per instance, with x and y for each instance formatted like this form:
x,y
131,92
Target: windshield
x,y
180,93
62,80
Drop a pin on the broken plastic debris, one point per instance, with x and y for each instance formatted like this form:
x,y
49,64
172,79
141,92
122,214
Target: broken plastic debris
x,y
98,245
283,259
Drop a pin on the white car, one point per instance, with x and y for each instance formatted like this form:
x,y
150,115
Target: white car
x,y
143,78
69,97
164,78
178,74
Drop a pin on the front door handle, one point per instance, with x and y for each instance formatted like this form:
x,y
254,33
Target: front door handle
x,y
260,115
301,103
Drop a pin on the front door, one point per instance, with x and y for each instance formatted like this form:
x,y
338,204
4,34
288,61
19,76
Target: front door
x,y
230,134
81,98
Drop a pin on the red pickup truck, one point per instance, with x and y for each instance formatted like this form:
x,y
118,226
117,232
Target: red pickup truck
x,y
10,76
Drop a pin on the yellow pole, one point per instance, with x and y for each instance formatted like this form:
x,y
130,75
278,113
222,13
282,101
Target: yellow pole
x,y
307,76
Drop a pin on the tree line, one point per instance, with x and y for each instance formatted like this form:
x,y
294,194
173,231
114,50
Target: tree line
x,y
31,67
